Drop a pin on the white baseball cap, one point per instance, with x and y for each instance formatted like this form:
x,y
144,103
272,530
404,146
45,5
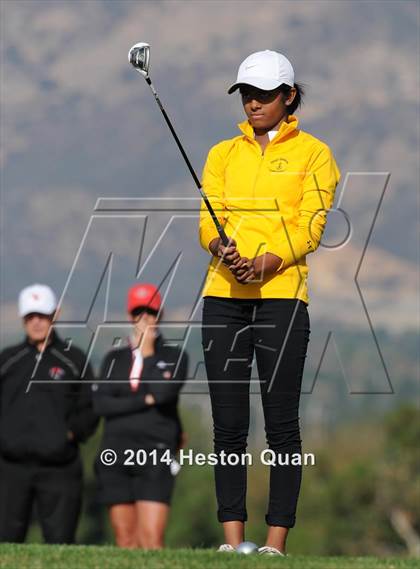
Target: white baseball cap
x,y
37,298
265,70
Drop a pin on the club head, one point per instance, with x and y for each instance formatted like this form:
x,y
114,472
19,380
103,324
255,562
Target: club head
x,y
139,57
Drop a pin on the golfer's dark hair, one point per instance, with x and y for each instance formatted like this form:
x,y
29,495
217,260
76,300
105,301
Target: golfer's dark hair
x,y
298,100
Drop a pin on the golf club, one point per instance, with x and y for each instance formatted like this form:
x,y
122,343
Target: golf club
x,y
139,57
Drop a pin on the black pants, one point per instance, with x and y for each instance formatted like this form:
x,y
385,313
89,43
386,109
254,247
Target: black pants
x,y
56,491
277,330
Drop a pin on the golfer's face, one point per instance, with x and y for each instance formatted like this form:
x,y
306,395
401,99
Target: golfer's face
x,y
144,320
37,325
264,109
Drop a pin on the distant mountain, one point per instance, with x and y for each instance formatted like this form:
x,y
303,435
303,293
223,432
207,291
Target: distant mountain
x,y
79,124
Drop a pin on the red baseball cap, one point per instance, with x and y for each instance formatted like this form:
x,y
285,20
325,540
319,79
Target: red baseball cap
x,y
143,295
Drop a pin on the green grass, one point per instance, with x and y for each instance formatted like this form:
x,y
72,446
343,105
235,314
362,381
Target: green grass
x,y
107,557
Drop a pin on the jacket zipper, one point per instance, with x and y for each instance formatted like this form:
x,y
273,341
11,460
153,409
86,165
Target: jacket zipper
x,y
261,160
262,155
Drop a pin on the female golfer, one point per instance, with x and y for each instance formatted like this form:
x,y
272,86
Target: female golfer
x,y
271,188
138,397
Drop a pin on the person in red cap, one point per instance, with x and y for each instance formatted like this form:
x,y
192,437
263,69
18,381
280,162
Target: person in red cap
x,y
138,396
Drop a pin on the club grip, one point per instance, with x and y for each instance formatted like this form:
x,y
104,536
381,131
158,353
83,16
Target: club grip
x,y
223,236
220,230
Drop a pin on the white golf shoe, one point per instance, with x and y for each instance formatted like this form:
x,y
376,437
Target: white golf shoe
x,y
227,548
267,550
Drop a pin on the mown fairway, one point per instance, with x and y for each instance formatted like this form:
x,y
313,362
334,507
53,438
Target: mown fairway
x,y
107,557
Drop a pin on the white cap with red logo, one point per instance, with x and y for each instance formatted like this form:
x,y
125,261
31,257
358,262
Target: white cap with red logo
x,y
37,298
265,70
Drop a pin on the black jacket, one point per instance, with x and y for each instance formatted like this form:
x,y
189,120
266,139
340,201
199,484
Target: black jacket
x,y
35,417
129,422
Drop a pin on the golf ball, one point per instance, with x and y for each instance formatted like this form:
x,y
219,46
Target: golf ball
x,y
247,548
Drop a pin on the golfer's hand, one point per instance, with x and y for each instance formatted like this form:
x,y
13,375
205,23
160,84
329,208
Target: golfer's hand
x,y
148,340
254,270
145,333
241,269
149,399
183,439
228,255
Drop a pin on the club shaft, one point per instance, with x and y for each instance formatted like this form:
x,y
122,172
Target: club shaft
x,y
219,228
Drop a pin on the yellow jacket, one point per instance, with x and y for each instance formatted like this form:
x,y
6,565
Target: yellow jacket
x,y
276,202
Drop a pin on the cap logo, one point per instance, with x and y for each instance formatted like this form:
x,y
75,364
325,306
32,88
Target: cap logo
x,y
35,296
249,66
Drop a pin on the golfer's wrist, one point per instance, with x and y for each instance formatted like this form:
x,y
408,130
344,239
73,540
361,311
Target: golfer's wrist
x,y
148,351
214,246
274,262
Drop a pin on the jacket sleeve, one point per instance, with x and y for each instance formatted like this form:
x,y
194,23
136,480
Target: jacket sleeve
x,y
83,421
213,185
107,402
319,186
166,390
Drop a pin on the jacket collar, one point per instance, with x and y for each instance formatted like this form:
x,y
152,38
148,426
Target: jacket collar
x,y
287,127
